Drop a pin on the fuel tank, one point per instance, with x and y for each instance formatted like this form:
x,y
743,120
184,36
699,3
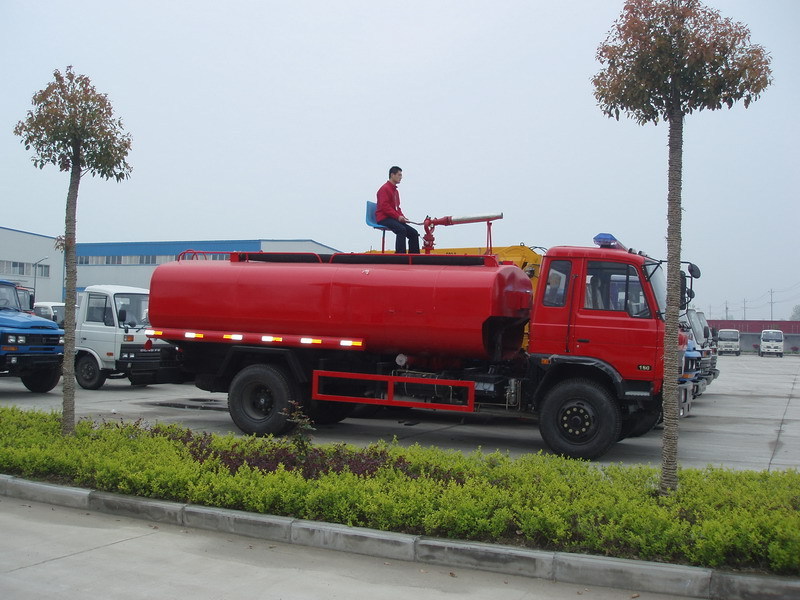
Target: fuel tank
x,y
475,311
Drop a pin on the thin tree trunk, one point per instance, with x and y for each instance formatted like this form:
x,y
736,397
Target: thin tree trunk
x,y
669,446
68,400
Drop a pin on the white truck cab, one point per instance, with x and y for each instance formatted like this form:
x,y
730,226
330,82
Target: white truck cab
x,y
110,340
771,343
728,342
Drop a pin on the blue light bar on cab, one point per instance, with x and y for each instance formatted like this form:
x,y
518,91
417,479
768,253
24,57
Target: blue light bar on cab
x,y
606,240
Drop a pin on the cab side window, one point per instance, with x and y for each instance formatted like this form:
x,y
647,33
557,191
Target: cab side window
x,y
555,293
615,286
98,311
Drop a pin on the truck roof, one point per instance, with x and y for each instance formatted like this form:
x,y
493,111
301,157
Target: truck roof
x,y
116,289
599,253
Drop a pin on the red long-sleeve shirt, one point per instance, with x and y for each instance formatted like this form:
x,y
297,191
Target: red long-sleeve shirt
x,y
388,203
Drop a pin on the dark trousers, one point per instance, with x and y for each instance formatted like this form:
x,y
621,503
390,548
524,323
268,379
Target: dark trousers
x,y
403,232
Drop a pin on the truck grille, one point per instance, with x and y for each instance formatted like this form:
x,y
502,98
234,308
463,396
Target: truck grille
x,y
41,339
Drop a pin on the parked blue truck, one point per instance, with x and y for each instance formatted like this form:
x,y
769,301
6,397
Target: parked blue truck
x,y
31,348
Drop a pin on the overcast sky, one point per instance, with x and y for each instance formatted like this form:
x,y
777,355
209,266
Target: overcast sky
x,y
279,120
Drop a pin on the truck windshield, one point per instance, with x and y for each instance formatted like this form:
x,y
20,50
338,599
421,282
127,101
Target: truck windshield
x,y
655,275
728,335
135,307
8,298
697,327
772,336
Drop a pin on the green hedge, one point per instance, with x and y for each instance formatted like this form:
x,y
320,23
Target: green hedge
x,y
718,518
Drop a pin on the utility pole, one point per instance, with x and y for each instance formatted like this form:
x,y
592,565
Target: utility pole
x,y
726,311
744,310
35,273
770,304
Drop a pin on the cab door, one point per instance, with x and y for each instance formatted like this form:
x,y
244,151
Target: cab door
x,y
99,329
614,320
554,304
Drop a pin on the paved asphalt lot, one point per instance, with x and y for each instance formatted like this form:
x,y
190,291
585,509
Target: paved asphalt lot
x,y
749,418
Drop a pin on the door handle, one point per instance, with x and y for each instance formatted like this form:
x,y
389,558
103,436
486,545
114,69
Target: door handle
x,y
583,341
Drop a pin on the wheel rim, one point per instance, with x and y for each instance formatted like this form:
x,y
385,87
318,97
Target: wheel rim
x,y
259,402
88,370
576,419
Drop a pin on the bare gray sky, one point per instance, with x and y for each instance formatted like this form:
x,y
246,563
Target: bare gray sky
x,y
265,119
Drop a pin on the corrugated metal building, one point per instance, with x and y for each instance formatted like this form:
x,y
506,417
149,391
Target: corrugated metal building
x,y
32,260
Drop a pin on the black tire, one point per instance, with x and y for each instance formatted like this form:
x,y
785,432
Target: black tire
x,y
324,412
88,373
366,411
580,419
644,423
260,399
43,380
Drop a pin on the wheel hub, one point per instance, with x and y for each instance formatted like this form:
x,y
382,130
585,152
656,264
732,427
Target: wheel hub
x,y
576,421
261,403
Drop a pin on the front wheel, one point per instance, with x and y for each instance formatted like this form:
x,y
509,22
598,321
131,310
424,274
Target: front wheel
x,y
580,419
260,399
88,373
43,380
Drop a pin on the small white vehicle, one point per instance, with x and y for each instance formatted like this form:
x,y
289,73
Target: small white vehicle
x,y
771,343
53,311
728,342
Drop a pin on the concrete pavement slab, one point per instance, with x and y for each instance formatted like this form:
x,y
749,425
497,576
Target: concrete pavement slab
x,y
62,553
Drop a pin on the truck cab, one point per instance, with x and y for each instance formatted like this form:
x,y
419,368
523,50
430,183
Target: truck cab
x,y
26,299
771,343
598,319
728,342
32,348
110,340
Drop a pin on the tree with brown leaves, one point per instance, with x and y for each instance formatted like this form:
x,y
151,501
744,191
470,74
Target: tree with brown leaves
x,y
663,60
72,126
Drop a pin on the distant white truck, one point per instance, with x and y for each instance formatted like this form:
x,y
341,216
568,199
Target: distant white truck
x,y
110,339
771,343
54,311
728,342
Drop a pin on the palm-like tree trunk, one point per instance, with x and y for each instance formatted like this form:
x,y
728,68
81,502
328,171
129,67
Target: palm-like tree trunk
x,y
68,400
669,447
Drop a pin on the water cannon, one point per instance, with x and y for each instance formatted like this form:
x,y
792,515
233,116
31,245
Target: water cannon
x,y
430,224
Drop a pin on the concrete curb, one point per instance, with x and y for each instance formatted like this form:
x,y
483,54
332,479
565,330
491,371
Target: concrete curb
x,y
677,580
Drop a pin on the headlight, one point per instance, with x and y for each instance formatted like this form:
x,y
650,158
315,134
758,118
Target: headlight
x,y
16,339
61,341
12,339
21,339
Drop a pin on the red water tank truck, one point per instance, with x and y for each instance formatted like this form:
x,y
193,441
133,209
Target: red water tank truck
x,y
444,332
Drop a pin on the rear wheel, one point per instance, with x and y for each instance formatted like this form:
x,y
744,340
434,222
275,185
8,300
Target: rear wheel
x,y
643,422
260,399
42,380
324,412
88,373
580,419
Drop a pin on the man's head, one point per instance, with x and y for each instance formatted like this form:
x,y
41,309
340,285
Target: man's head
x,y
395,175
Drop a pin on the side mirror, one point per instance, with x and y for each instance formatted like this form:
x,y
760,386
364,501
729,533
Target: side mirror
x,y
694,270
684,292
122,315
